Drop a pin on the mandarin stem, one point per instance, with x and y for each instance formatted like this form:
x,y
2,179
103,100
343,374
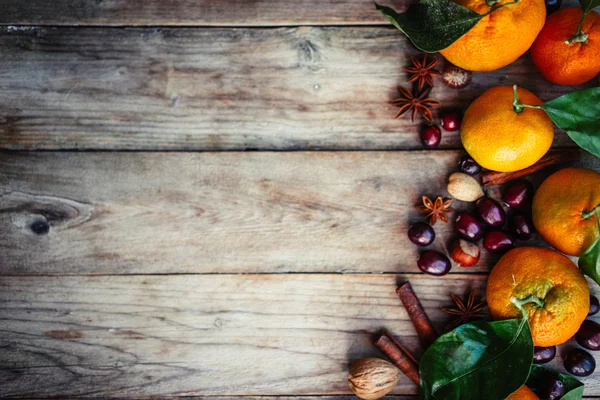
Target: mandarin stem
x,y
499,7
519,107
579,35
585,214
519,303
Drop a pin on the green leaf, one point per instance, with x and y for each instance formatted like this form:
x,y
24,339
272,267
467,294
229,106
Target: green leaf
x,y
589,261
573,388
578,114
589,5
433,25
478,360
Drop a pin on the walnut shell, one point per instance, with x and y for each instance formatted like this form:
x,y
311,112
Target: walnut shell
x,y
464,187
372,378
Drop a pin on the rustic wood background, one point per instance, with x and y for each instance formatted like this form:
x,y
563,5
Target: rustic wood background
x,y
145,252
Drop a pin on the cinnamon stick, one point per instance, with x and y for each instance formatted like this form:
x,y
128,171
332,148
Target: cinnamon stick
x,y
416,312
399,355
493,178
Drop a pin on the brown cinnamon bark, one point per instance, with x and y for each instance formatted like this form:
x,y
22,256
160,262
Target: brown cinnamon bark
x,y
416,312
493,178
399,355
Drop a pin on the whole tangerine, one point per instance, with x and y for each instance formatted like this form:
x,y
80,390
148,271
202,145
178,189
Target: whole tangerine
x,y
502,139
551,277
567,63
500,37
559,206
523,393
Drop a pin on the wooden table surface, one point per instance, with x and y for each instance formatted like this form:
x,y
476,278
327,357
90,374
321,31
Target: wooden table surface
x,y
204,198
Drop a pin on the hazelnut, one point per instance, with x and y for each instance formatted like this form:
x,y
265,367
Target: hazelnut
x,y
464,187
465,253
372,378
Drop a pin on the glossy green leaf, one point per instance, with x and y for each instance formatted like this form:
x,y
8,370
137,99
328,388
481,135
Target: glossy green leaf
x,y
478,360
589,5
432,25
578,114
573,388
589,261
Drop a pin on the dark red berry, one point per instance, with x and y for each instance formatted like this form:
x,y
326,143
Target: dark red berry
x,y
431,136
421,234
468,226
594,306
579,363
469,166
451,121
550,388
433,263
542,355
518,193
588,335
498,241
490,212
521,226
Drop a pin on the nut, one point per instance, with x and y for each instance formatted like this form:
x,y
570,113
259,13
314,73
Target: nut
x,y
464,253
456,78
372,378
464,187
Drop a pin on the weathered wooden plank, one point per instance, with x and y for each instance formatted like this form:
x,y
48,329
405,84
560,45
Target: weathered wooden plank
x,y
118,213
195,13
219,89
211,334
189,12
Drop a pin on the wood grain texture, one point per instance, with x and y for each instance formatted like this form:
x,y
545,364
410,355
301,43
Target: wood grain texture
x,y
119,213
220,89
191,12
213,334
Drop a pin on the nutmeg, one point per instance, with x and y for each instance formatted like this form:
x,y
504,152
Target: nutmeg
x,y
464,187
372,378
465,253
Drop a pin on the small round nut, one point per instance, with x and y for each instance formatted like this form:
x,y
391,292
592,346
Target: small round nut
x,y
464,187
372,378
465,253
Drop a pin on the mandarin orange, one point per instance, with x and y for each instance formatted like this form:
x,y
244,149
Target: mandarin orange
x,y
564,63
501,139
523,393
549,276
558,206
499,38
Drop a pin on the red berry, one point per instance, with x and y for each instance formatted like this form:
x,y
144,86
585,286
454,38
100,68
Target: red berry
x,y
431,136
518,193
490,212
469,166
434,263
497,241
468,226
451,121
421,234
521,226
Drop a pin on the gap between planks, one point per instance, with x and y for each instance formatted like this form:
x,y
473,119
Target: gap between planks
x,y
195,335
306,88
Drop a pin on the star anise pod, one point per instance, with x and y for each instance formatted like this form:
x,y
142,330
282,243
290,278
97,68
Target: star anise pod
x,y
465,312
415,103
422,72
435,210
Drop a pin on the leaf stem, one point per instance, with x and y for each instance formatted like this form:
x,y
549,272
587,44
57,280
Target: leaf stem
x,y
491,3
519,303
519,107
579,37
585,214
